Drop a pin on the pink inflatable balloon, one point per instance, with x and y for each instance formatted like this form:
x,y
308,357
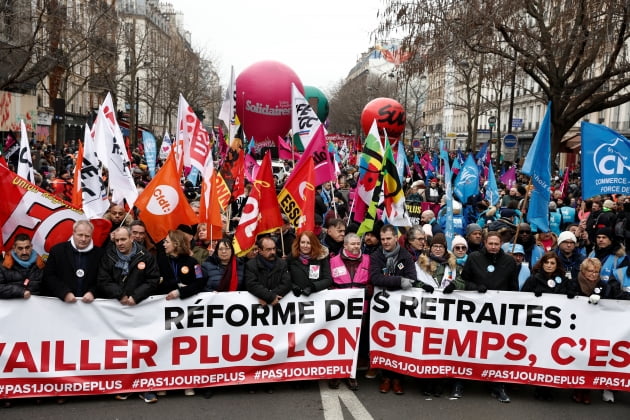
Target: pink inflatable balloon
x,y
263,99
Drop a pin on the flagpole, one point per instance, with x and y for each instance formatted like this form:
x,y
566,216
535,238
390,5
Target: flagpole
x,y
351,209
525,202
332,198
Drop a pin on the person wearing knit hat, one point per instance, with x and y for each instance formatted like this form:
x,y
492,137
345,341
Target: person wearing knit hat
x,y
474,237
609,204
459,249
612,255
570,256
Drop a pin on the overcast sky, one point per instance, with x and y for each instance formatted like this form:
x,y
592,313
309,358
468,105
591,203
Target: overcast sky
x,y
321,40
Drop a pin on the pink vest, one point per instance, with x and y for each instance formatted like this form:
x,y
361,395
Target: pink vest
x,y
341,276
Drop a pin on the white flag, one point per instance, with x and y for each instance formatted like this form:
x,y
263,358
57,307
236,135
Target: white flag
x,y
228,108
304,121
25,162
165,148
93,191
107,132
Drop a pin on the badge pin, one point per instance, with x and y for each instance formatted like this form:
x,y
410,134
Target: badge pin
x,y
184,270
141,265
80,273
490,269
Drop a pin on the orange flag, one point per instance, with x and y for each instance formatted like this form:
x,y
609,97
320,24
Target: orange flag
x,y
261,213
77,195
163,205
211,213
297,198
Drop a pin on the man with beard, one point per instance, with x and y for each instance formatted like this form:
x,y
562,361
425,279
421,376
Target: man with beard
x,y
266,276
613,257
491,269
72,266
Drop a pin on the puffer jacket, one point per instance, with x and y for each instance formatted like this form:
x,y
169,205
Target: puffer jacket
x,y
13,276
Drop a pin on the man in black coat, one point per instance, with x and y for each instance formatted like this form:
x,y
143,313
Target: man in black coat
x,y
127,272
72,266
267,276
491,269
21,271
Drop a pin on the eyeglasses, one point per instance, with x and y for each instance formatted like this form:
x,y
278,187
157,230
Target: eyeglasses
x,y
224,249
460,248
437,246
525,232
591,272
417,239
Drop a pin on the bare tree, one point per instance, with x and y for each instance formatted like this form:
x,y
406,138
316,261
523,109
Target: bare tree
x,y
574,50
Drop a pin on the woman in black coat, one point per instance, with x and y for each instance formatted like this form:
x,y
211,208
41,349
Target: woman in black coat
x,y
181,275
309,265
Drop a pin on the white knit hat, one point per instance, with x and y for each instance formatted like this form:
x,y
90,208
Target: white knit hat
x,y
459,240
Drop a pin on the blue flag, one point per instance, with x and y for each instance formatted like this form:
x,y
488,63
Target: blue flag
x,y
538,166
467,181
605,162
150,151
492,190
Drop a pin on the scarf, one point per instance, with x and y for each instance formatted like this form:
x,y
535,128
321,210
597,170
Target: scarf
x,y
269,265
86,249
27,263
439,260
391,256
461,261
352,257
602,253
304,258
229,280
123,260
586,286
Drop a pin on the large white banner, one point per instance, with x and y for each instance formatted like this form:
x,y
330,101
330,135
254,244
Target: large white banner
x,y
502,336
51,348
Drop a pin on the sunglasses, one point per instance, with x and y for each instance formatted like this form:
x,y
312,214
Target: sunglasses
x,y
460,248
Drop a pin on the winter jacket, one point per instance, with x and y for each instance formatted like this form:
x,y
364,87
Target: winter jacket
x,y
181,273
440,274
404,266
494,271
70,271
539,283
13,277
213,273
314,275
266,283
141,282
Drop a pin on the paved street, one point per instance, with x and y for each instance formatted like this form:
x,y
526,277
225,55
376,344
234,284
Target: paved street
x,y
311,402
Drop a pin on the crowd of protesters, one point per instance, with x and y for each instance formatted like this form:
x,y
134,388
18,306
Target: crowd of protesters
x,y
583,253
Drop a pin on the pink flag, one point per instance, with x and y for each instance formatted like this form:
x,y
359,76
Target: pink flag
x,y
509,177
285,152
251,168
324,165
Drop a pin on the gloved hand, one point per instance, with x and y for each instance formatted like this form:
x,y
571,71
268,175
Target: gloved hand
x,y
538,292
482,288
296,291
571,294
594,299
427,288
405,283
307,291
449,288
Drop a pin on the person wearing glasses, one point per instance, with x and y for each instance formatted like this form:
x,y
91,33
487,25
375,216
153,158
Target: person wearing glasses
x,y
591,284
415,241
223,270
267,276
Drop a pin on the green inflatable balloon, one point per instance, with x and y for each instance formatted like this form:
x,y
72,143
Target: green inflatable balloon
x,y
318,102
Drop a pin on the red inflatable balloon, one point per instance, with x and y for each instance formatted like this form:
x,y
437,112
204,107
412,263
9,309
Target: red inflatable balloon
x,y
390,116
263,99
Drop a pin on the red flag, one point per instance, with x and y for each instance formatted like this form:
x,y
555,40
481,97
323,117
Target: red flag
x,y
163,205
233,171
565,183
297,198
77,195
261,213
26,208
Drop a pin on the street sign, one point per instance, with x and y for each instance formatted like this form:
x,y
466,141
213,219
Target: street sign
x,y
416,144
517,122
492,121
510,140
509,154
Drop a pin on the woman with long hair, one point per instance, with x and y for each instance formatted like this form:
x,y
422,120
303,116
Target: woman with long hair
x,y
203,246
223,270
309,265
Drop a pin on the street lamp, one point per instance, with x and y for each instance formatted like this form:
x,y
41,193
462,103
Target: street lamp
x,y
137,108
